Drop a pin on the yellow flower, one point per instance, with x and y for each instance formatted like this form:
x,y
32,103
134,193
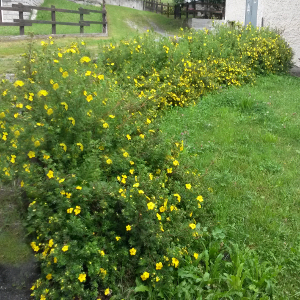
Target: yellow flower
x,y
157,279
128,228
148,121
88,73
131,162
46,156
65,248
101,77
103,271
37,143
42,93
80,146
159,266
192,225
150,205
43,297
141,192
102,253
78,187
196,255
77,210
55,260
175,262
178,197
112,116
65,105
136,184
151,176
200,198
28,107
132,251
50,243
142,136
82,277
2,115
50,174
64,146
72,120
18,83
106,292
118,238
85,59
49,111
125,154
175,163
49,276
169,170
105,125
55,86
109,161
68,195
188,186
70,210
158,216
65,74
89,98
128,137
13,159
31,154
145,276
162,209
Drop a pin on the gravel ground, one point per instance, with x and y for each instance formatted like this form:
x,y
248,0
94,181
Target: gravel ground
x,y
16,281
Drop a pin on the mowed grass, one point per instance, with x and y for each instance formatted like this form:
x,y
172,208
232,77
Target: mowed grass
x,y
246,144
13,247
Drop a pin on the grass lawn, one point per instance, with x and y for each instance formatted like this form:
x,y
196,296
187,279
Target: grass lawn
x,y
245,142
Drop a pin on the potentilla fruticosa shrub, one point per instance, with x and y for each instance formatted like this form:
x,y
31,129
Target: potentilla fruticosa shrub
x,y
109,197
111,201
177,71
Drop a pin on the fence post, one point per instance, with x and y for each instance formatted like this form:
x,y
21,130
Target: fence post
x,y
168,12
21,17
81,19
0,14
104,28
161,8
53,19
156,7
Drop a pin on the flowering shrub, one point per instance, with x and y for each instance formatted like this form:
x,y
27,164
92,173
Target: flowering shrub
x,y
110,198
179,70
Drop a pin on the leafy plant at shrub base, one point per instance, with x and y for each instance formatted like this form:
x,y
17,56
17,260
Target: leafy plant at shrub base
x,y
110,198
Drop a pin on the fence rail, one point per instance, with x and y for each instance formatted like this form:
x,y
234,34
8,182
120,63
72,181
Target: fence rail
x,y
199,9
21,22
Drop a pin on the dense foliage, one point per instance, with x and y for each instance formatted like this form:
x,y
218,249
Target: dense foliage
x,y
112,206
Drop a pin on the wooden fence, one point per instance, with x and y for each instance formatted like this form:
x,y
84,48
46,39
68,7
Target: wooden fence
x,y
199,9
158,7
21,22
204,9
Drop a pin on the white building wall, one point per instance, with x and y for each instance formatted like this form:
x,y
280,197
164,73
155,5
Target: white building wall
x,y
282,15
235,10
8,16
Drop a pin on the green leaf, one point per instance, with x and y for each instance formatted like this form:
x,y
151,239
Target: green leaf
x,y
141,288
